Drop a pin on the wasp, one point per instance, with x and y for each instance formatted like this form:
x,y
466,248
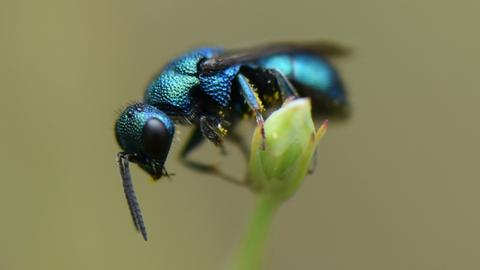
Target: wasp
x,y
212,89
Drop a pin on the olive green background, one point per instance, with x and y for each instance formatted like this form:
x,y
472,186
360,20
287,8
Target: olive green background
x,y
396,187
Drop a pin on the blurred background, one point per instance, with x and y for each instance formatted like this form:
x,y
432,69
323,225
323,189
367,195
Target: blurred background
x,y
396,187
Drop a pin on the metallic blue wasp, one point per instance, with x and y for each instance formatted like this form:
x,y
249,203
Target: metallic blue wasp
x,y
212,89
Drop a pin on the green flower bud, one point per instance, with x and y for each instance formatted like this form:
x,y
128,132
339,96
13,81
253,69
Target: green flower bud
x,y
290,137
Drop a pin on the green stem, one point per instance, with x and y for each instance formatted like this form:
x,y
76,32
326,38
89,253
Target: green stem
x,y
251,251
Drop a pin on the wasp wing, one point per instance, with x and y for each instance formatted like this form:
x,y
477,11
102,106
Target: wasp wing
x,y
236,57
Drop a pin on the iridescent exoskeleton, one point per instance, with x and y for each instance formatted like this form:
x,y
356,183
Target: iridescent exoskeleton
x,y
212,89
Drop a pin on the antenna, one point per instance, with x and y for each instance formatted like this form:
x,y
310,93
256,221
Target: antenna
x,y
136,213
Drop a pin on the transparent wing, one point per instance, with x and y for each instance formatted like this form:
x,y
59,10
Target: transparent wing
x,y
236,57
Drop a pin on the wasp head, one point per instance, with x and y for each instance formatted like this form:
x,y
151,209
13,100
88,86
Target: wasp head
x,y
145,134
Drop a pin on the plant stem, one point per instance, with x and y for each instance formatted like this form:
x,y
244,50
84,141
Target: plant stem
x,y
250,254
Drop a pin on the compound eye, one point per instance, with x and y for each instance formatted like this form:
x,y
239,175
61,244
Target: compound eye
x,y
156,138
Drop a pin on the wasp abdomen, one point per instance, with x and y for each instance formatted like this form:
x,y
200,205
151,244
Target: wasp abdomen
x,y
312,75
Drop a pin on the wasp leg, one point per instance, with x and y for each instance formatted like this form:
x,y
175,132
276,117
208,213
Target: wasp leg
x,y
196,138
193,142
284,85
212,129
254,102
